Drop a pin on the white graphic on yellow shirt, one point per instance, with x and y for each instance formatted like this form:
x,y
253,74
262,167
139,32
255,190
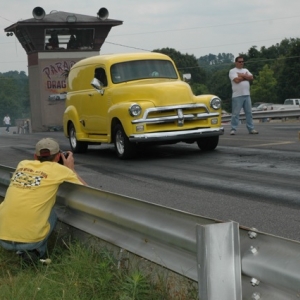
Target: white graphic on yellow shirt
x,y
22,180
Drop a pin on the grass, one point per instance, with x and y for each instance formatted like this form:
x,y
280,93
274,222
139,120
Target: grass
x,y
81,272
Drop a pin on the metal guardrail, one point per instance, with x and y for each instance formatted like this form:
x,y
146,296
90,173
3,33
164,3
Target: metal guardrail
x,y
281,114
239,262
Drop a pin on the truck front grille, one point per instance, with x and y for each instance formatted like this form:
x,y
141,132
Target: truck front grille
x,y
178,114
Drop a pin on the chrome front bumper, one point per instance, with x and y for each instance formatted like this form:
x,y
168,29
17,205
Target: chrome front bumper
x,y
178,135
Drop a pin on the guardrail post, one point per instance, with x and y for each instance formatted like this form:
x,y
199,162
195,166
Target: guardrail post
x,y
219,261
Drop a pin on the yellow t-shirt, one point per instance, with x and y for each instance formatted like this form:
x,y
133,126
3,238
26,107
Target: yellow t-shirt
x,y
25,211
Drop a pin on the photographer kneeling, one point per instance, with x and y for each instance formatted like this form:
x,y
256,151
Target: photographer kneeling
x,y
27,216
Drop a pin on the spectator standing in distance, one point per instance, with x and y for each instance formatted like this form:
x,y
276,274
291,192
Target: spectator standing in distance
x,y
27,216
72,44
240,80
6,122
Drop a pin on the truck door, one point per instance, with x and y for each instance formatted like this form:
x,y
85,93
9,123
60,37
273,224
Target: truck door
x,y
94,110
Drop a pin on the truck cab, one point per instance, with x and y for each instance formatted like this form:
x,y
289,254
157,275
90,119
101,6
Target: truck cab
x,y
292,102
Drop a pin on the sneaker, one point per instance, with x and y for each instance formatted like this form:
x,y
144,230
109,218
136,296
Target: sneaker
x,y
232,132
253,131
45,261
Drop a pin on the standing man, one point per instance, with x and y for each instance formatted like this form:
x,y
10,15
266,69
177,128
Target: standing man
x,y
27,216
6,122
240,80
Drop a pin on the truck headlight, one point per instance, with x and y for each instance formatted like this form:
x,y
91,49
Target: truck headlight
x,y
135,110
215,103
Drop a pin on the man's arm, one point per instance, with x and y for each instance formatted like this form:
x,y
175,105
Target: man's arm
x,y
69,163
81,180
243,76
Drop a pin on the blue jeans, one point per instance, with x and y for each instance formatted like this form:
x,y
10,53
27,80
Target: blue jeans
x,y
237,104
40,246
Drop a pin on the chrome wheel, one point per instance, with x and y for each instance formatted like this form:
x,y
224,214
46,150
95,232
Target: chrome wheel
x,y
76,146
124,148
72,137
120,142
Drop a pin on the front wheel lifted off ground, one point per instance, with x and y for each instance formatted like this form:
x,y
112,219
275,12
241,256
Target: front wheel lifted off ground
x,y
123,147
76,146
208,143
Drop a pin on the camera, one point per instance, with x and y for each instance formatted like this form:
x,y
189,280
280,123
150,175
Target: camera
x,y
65,154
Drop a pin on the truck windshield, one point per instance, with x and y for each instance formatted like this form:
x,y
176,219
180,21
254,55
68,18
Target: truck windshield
x,y
142,69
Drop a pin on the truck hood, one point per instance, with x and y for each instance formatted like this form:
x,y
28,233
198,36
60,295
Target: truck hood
x,y
159,93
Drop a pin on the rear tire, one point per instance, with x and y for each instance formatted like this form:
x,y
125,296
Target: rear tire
x,y
76,146
124,148
208,143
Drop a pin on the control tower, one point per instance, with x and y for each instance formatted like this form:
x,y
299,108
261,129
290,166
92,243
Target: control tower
x,y
54,42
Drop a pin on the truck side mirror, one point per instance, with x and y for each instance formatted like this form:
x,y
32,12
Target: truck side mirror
x,y
187,77
98,85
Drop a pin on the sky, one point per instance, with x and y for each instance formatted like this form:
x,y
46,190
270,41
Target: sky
x,y
194,27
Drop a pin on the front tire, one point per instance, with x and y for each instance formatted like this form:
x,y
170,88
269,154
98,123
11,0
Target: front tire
x,y
124,148
76,146
208,143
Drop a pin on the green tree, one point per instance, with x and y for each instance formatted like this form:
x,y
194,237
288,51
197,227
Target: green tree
x,y
278,57
264,86
219,84
14,95
254,61
289,76
212,63
186,63
199,89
